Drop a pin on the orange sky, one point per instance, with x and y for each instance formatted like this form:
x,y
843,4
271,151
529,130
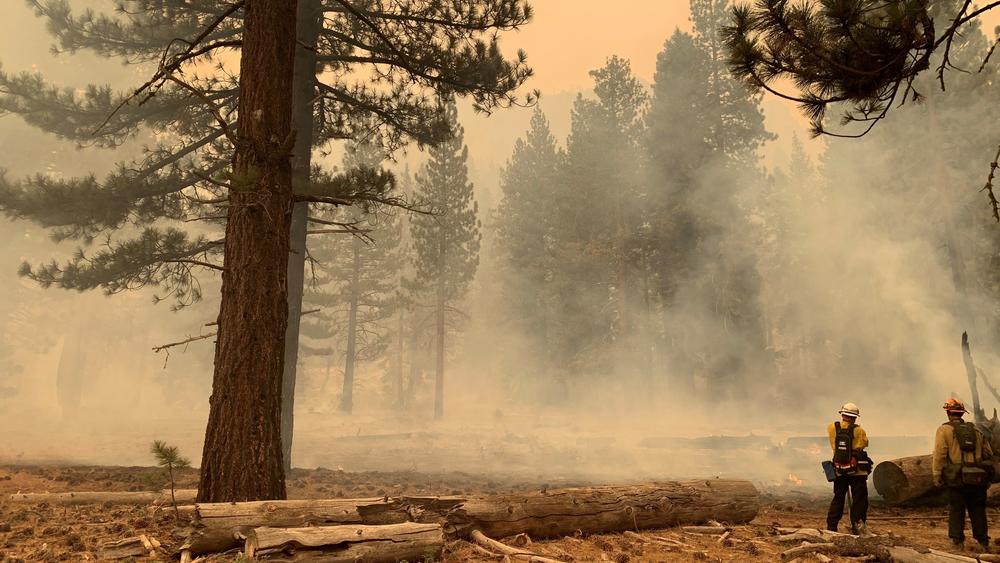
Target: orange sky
x,y
569,38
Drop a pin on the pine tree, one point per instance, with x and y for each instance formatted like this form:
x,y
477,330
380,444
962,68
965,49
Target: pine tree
x,y
866,54
361,275
600,196
704,132
446,242
183,176
526,229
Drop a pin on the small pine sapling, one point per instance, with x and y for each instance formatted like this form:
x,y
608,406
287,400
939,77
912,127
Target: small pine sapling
x,y
169,457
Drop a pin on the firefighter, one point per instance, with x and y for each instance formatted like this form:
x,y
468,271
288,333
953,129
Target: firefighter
x,y
959,455
852,465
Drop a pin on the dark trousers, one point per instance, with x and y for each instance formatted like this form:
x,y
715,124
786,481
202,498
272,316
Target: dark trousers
x,y
858,485
971,499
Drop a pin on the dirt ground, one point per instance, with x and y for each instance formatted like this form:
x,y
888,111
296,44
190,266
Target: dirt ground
x,y
44,533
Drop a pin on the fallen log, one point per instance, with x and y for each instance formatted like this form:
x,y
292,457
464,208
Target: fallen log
x,y
222,526
348,544
905,479
911,555
184,496
588,510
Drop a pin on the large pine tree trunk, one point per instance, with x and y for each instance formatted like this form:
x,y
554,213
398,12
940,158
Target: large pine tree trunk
x,y
308,21
242,457
347,396
439,371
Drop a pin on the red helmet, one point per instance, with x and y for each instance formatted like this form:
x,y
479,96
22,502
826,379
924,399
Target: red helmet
x,y
954,405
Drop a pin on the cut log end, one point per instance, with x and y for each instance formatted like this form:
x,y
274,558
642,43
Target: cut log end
x,y
905,479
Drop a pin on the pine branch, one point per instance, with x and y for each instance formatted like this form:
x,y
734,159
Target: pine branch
x,y
172,64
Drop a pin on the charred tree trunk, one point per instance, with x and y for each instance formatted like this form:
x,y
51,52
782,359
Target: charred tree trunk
x,y
242,457
599,510
347,396
304,75
439,371
970,372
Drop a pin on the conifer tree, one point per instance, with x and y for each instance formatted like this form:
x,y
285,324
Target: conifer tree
x,y
361,274
526,230
408,46
600,196
446,242
704,131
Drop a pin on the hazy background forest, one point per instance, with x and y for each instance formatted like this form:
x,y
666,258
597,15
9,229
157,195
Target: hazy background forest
x,y
649,252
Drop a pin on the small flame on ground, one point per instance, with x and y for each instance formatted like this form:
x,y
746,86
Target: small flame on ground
x,y
794,479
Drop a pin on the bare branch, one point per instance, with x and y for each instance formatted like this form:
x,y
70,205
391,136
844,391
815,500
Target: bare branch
x,y
988,188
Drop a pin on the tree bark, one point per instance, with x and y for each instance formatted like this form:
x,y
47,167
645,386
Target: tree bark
x,y
242,457
218,527
564,512
348,544
347,395
905,479
303,77
439,368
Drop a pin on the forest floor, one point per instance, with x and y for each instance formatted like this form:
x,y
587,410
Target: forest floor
x,y
40,532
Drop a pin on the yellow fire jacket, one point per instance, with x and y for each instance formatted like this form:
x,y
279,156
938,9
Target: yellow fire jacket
x,y
948,452
859,440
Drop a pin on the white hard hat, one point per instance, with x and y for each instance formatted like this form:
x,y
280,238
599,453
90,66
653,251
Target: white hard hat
x,y
851,410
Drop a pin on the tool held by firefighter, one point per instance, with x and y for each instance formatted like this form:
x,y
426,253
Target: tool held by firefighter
x,y
849,470
963,462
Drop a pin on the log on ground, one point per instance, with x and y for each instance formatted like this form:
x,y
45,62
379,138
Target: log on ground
x,y
222,526
335,544
912,555
905,479
184,496
591,510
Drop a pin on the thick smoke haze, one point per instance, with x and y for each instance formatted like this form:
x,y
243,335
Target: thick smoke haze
x,y
868,258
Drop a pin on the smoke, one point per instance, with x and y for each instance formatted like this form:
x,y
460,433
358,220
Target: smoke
x,y
861,269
